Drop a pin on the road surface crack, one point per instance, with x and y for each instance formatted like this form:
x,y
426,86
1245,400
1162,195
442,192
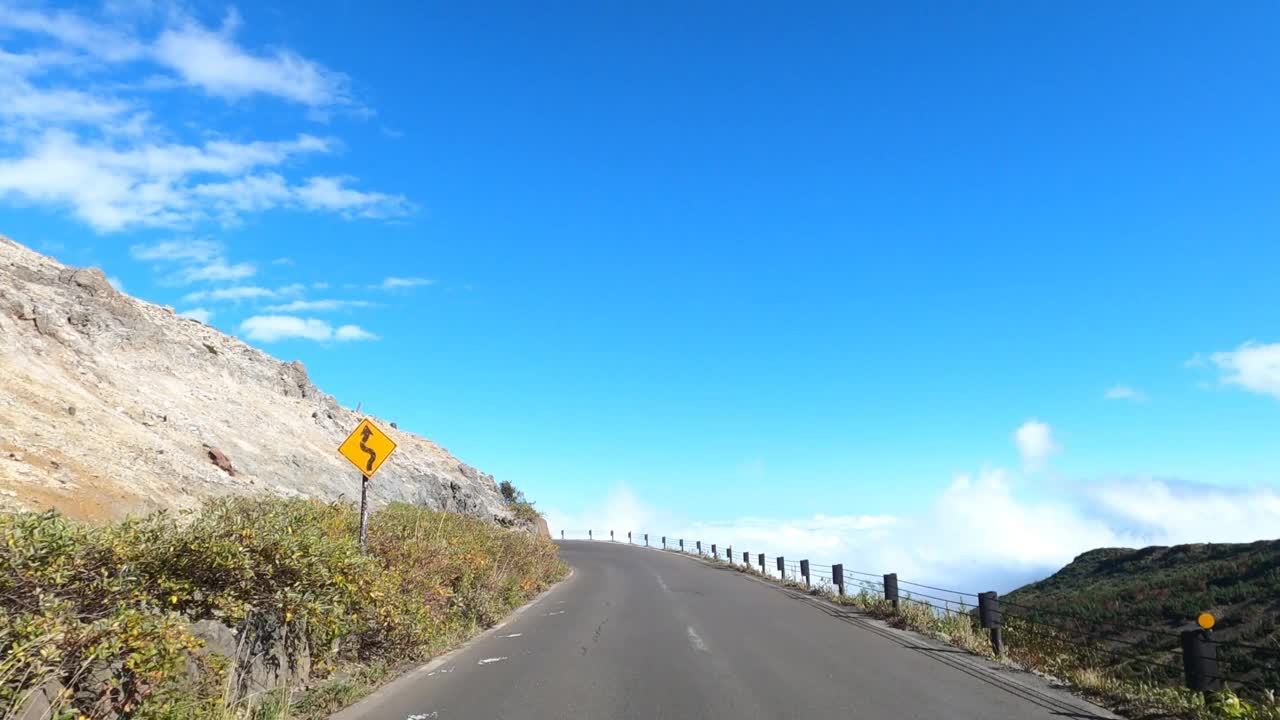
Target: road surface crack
x,y
595,636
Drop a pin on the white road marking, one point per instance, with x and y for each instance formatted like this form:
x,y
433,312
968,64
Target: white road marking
x,y
558,612
423,716
696,641
662,583
486,661
511,635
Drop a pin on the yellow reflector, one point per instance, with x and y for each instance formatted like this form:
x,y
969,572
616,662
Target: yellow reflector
x,y
1205,621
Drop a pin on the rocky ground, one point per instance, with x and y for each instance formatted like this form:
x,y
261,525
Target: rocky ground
x,y
111,406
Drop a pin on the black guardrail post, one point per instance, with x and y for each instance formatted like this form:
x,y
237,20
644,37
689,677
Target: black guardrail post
x,y
989,615
891,589
590,536
1200,661
561,534
610,536
728,552
715,553
646,539
746,558
782,567
681,544
837,577
628,537
699,544
762,563
804,570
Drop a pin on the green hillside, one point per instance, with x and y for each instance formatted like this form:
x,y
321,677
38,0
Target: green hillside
x,y
1126,607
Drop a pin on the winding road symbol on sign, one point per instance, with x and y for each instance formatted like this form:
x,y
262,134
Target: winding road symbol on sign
x,y
367,448
373,456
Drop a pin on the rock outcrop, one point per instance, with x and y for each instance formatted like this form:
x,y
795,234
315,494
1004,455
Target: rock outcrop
x,y
111,406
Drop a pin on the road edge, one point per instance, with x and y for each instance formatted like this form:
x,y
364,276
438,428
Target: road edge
x,y
357,709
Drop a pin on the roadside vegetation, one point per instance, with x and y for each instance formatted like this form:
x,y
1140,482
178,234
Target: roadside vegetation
x,y
1133,688
100,618
520,506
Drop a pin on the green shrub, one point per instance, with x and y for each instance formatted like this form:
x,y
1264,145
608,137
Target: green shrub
x,y
104,611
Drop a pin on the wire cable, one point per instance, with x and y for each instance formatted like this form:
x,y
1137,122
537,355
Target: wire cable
x,y
1061,613
930,587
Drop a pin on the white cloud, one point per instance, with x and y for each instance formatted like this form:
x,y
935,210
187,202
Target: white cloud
x,y
233,294
143,185
74,32
270,328
25,102
1252,366
182,250
214,62
330,193
977,533
400,283
200,261
75,138
319,305
217,271
1124,392
353,332
200,314
1035,444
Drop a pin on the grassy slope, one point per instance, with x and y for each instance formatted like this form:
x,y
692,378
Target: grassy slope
x,y
104,611
1145,596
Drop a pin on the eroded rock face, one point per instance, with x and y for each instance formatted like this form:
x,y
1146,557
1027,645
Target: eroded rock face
x,y
111,404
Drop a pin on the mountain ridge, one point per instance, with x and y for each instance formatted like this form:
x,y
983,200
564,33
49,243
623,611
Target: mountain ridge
x,y
112,406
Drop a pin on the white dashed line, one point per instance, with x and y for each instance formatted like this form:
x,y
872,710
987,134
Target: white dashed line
x,y
511,635
423,717
696,641
662,583
558,612
486,661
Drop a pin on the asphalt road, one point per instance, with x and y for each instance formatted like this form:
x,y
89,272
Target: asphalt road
x,y
638,633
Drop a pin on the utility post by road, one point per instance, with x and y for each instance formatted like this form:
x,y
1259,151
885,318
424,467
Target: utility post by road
x,y
1200,656
989,615
891,589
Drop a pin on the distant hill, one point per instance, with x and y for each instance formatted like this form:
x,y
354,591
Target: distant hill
x,y
1138,600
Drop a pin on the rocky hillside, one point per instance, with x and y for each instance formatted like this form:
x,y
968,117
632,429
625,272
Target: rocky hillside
x,y
111,406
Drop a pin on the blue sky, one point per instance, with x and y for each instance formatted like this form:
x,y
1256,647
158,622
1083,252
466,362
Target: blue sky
x,y
730,264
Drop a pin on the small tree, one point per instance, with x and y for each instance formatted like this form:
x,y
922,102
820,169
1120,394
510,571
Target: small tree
x,y
510,493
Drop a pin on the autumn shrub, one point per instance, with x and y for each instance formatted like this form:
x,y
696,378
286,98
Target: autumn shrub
x,y
103,613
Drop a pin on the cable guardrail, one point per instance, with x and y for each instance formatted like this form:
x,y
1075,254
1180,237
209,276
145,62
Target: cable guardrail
x,y
1198,648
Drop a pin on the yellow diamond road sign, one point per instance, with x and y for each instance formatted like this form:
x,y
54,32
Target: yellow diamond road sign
x,y
367,448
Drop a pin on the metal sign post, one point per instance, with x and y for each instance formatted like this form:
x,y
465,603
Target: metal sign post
x,y
367,447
